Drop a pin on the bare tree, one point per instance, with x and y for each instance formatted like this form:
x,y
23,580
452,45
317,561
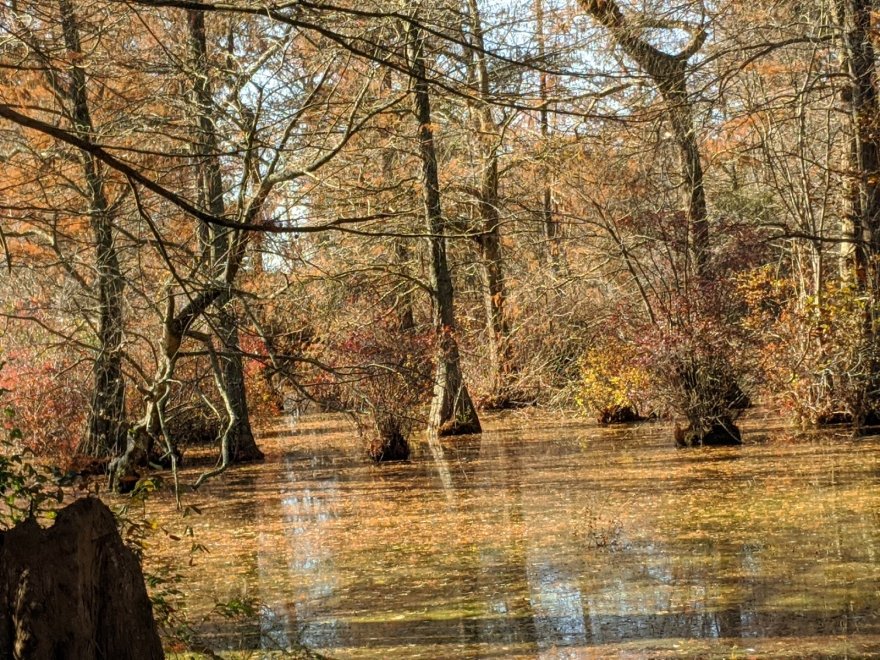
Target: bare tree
x,y
452,411
221,245
669,72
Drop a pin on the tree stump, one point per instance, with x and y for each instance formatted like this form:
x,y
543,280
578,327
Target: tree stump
x,y
720,434
389,448
74,590
619,415
389,442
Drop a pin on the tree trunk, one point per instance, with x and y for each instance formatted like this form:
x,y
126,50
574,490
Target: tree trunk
x,y
489,239
389,442
241,446
860,59
74,590
225,251
669,74
853,268
452,411
549,224
681,118
403,303
240,437
709,403
406,320
106,428
496,322
853,255
125,470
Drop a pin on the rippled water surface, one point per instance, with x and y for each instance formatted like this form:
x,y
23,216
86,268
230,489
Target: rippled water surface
x,y
544,538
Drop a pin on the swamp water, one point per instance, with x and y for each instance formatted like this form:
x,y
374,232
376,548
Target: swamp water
x,y
541,538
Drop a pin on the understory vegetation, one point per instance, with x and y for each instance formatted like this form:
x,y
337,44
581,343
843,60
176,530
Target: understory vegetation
x,y
213,213
210,215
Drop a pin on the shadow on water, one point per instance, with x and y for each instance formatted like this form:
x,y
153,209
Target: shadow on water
x,y
534,538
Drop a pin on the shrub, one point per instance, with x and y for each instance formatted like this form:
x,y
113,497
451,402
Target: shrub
x,y
818,358
613,383
384,376
26,488
50,396
701,360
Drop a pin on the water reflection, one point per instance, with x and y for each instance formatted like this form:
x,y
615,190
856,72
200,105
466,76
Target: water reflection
x,y
545,539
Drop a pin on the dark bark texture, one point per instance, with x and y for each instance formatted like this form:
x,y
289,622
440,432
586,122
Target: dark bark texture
x,y
74,590
863,95
389,443
106,430
619,415
721,434
452,410
238,440
224,250
549,223
489,238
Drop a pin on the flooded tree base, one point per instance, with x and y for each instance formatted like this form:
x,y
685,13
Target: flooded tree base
x,y
868,425
833,419
456,427
725,434
619,415
249,454
74,590
392,447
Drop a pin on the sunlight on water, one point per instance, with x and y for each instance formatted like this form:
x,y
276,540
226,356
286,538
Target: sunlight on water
x,y
544,538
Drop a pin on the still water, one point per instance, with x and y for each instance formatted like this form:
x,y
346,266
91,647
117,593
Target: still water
x,y
542,538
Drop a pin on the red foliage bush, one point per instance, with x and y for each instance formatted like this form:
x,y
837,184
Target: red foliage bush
x,y
384,374
50,396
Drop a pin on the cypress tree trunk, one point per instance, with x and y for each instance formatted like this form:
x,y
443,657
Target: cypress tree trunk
x,y
452,411
669,74
860,62
239,435
106,426
489,240
403,303
549,224
106,430
711,391
859,59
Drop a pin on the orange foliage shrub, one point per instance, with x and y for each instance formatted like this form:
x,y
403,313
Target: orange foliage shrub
x,y
816,358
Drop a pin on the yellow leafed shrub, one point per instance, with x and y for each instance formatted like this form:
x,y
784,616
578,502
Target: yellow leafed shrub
x,y
612,382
